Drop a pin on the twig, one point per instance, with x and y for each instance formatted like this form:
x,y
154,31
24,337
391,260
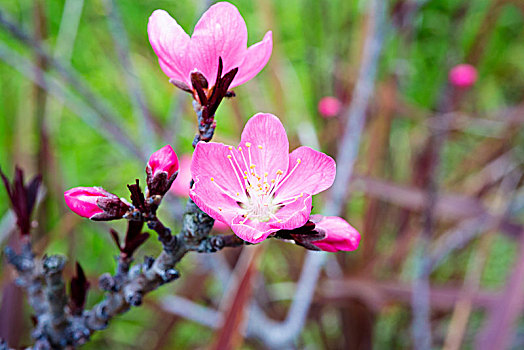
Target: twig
x,y
58,328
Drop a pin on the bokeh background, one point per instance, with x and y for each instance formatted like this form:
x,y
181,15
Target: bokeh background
x,y
436,190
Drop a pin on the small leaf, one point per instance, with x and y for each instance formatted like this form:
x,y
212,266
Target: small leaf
x,y
79,287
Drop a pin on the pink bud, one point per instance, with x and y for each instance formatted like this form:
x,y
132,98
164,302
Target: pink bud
x,y
95,203
83,200
329,106
220,226
164,159
339,235
463,76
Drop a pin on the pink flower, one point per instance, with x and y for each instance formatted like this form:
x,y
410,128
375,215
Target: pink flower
x,y
329,106
259,188
463,75
339,235
161,170
221,32
163,160
180,186
95,203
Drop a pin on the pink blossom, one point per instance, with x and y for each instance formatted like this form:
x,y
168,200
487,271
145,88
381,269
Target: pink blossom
x,y
329,106
463,75
339,235
221,32
180,186
259,188
163,160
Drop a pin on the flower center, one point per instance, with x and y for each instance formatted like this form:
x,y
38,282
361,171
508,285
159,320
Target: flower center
x,y
257,202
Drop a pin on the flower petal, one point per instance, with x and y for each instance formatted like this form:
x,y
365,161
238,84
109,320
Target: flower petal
x,y
213,202
218,186
252,232
220,32
313,174
170,43
295,214
255,60
269,147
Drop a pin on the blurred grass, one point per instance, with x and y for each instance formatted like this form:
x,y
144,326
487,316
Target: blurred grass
x,y
316,52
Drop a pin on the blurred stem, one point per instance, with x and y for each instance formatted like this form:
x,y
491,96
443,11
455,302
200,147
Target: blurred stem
x,y
141,111
44,157
356,115
105,113
421,325
91,117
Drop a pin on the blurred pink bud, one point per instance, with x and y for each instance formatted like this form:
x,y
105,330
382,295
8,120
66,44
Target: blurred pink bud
x,y
220,226
339,235
88,202
180,186
164,159
329,106
463,76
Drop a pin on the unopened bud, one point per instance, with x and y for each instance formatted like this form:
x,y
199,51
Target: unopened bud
x,y
95,203
161,170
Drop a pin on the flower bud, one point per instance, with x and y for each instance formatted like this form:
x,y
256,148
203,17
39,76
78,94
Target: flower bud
x,y
463,76
161,170
339,234
95,203
329,106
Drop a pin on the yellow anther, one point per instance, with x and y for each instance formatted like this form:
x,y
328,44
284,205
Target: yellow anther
x,y
279,172
252,166
238,193
245,177
245,172
266,174
260,146
299,161
240,148
272,181
212,179
219,208
229,156
230,147
248,144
